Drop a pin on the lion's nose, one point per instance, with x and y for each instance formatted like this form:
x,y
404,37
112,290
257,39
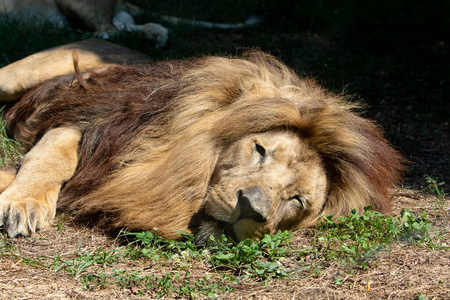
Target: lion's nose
x,y
253,204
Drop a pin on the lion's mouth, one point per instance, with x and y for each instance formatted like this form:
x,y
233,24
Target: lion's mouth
x,y
237,231
244,216
227,230
211,229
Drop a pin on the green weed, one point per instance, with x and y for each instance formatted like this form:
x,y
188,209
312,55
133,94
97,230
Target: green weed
x,y
358,238
174,284
420,296
7,246
257,259
433,187
79,263
9,148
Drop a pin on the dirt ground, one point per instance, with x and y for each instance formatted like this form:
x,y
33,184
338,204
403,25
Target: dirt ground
x,y
403,272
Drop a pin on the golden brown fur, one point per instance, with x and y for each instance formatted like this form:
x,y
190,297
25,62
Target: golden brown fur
x,y
179,146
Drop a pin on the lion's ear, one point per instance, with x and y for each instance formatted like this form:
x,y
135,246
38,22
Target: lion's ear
x,y
19,77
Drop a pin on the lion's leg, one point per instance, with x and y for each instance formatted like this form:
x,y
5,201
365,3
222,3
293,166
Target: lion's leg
x,y
29,203
6,178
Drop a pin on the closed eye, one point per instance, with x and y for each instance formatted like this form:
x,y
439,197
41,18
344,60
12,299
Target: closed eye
x,y
261,151
300,200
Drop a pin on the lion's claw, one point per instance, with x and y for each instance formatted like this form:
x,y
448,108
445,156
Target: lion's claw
x,y
23,217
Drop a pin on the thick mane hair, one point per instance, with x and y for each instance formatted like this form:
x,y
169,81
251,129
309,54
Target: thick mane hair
x,y
147,156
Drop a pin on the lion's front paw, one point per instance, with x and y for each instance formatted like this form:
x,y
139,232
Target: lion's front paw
x,y
23,217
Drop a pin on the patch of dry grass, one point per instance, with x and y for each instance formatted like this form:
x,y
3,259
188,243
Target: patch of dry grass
x,y
30,268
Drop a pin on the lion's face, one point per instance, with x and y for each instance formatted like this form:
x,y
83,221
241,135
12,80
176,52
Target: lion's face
x,y
263,183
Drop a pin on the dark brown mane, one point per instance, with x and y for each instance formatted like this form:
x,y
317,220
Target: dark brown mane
x,y
64,100
140,94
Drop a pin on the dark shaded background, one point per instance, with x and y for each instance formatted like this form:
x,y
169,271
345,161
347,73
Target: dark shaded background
x,y
391,55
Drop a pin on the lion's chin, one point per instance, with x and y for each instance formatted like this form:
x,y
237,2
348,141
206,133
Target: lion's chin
x,y
216,229
238,231
247,229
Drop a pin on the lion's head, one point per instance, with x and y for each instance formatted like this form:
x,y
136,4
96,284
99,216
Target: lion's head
x,y
238,146
263,183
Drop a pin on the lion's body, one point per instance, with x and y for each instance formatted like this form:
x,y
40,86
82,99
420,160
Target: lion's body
x,y
186,145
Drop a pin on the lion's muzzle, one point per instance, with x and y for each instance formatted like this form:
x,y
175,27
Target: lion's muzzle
x,y
253,203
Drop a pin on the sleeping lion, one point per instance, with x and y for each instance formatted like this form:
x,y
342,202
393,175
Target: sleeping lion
x,y
209,146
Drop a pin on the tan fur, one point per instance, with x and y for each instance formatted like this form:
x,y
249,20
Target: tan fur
x,y
29,202
6,178
195,162
20,76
